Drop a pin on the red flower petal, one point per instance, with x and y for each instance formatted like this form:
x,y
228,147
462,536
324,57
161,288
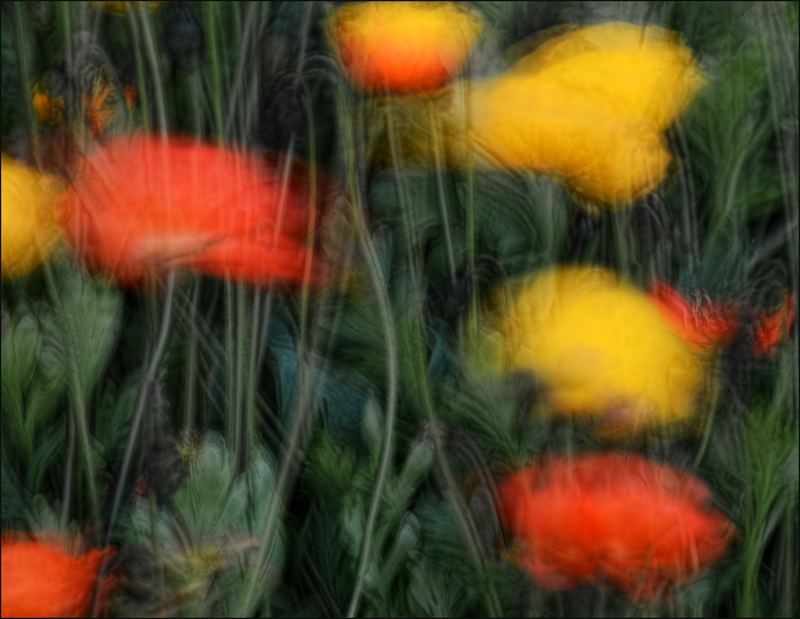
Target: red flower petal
x,y
146,205
709,325
618,518
771,327
42,579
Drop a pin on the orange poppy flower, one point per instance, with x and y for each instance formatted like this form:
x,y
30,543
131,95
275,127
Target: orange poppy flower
x,y
42,577
712,324
145,205
612,518
402,46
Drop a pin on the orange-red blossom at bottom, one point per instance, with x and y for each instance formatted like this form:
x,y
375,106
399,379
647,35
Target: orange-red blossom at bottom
x,y
144,205
44,577
613,518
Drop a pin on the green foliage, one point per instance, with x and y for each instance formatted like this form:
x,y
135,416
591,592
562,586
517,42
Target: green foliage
x,y
207,539
274,405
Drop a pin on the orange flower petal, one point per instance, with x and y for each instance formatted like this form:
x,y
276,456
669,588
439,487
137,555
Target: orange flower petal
x,y
618,518
40,578
145,205
772,327
402,46
707,326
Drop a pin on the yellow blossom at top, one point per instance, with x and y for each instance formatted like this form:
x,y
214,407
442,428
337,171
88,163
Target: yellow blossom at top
x,y
402,46
601,349
587,107
645,72
29,230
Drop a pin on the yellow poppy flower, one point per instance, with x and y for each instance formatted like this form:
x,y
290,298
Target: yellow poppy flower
x,y
587,107
402,46
601,349
643,71
29,230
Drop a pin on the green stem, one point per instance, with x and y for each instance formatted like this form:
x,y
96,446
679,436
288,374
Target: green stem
x,y
451,261
150,46
460,510
141,403
191,361
381,291
25,84
76,390
242,455
66,493
137,53
211,29
312,217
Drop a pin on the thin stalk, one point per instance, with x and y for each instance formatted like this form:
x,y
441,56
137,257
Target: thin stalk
x,y
452,490
312,217
460,510
303,41
141,403
191,361
715,390
451,261
242,455
618,225
66,492
76,390
211,28
149,43
253,370
469,207
137,53
296,439
25,85
382,294
238,74
230,355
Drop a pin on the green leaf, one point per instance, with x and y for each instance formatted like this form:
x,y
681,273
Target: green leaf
x,y
49,449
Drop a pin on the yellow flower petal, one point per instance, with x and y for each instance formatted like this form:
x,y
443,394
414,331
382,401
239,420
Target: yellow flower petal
x,y
587,107
601,349
644,71
29,231
402,46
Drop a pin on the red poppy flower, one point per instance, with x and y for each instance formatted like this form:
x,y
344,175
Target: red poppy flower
x,y
402,46
43,578
612,518
145,205
711,324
